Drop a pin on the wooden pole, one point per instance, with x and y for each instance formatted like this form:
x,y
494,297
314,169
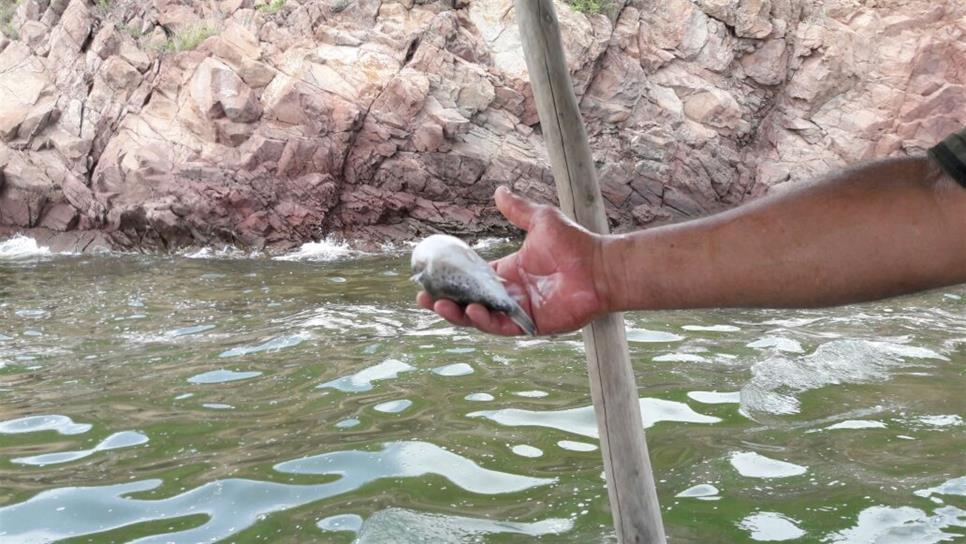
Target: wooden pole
x,y
630,484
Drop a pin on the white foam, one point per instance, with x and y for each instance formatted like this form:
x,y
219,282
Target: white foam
x,y
352,317
755,465
484,244
274,344
226,252
21,247
649,336
679,358
946,420
793,322
531,394
771,527
886,524
330,249
776,378
444,331
185,331
362,381
779,343
711,328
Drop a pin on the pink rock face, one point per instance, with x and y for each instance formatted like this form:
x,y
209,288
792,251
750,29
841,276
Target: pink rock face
x,y
383,121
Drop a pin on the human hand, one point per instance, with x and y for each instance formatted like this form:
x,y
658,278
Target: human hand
x,y
556,276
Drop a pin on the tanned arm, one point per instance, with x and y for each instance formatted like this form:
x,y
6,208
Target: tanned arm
x,y
876,230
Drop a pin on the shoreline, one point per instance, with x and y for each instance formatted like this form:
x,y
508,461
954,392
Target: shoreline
x,y
25,244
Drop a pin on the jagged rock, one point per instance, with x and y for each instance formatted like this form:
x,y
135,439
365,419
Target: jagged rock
x,y
768,64
218,92
29,97
382,120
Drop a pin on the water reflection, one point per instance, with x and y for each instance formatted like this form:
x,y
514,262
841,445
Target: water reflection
x,y
222,370
583,422
124,439
231,505
33,424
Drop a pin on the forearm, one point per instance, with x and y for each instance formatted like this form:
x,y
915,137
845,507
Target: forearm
x,y
880,229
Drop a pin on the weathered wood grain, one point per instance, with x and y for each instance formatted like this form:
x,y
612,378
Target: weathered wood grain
x,y
630,483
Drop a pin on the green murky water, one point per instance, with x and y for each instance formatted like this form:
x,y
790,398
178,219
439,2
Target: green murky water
x,y
181,399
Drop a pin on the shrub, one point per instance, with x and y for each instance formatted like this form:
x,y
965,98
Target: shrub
x,y
591,6
272,7
189,38
7,9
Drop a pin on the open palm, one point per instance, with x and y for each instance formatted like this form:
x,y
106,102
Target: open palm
x,y
552,276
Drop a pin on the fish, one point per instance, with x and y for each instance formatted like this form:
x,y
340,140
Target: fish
x,y
448,268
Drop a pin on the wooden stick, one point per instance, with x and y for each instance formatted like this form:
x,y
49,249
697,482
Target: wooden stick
x,y
630,484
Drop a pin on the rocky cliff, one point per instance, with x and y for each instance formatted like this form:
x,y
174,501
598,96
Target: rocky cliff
x,y
166,123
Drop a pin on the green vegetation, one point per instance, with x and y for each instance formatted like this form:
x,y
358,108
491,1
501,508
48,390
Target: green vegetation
x,y
189,38
272,7
591,6
7,9
104,4
131,31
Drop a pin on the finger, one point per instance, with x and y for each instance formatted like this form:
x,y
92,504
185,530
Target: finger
x,y
491,322
451,311
516,209
425,300
509,267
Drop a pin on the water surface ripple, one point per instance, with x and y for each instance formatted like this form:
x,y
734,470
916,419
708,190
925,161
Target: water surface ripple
x,y
241,398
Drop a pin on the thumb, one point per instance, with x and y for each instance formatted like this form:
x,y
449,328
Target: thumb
x,y
516,209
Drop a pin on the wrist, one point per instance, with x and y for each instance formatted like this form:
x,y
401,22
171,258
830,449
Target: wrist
x,y
609,272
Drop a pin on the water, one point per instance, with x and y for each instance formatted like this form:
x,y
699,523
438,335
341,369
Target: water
x,y
224,396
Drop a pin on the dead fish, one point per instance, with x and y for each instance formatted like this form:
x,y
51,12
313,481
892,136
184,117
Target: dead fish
x,y
448,268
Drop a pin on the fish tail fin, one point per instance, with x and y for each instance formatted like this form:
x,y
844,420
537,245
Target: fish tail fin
x,y
520,317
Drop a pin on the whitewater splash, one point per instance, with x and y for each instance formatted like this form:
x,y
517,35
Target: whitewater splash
x,y
21,247
334,249
226,252
329,249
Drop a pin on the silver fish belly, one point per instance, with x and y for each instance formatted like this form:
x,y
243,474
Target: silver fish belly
x,y
448,268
